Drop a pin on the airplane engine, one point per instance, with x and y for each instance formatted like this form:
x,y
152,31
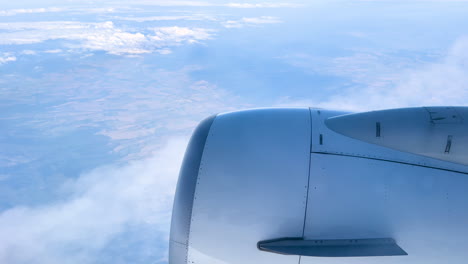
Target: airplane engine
x,y
300,185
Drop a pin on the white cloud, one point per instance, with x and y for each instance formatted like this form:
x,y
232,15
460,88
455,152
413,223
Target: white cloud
x,y
194,17
261,5
164,51
13,12
251,21
380,81
100,36
29,52
6,57
54,51
441,83
167,3
167,36
207,4
102,10
73,9
102,204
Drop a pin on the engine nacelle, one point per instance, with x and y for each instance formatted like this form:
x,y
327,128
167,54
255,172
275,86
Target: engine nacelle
x,y
293,185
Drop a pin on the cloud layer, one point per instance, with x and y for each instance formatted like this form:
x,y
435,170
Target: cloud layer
x,y
13,12
6,57
211,4
381,81
441,83
251,21
101,205
103,36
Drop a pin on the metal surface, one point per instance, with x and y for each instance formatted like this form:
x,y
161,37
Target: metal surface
x,y
333,247
183,200
328,141
423,209
252,186
435,132
262,174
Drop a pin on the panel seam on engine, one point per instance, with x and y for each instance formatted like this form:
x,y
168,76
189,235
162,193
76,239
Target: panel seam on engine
x,y
393,161
308,179
308,176
205,147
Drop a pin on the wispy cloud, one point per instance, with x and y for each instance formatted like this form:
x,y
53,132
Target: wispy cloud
x,y
171,35
379,81
29,52
130,103
101,36
101,205
261,5
167,3
251,21
53,51
138,106
6,57
13,12
194,17
80,9
208,4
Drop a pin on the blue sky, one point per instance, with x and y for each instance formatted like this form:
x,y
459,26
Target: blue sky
x,y
98,99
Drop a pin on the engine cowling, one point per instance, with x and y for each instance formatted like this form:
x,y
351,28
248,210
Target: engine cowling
x,y
290,185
